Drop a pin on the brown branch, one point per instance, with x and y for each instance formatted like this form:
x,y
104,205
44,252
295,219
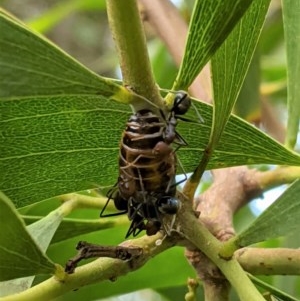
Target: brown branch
x,y
231,189
216,286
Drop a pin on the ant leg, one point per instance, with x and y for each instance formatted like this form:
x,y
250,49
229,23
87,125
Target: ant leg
x,y
110,197
137,224
183,171
169,228
172,223
111,214
140,229
179,141
172,182
131,229
170,185
200,118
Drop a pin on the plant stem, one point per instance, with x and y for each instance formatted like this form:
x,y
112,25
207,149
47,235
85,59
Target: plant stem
x,y
200,236
72,201
231,268
278,176
269,261
128,34
98,270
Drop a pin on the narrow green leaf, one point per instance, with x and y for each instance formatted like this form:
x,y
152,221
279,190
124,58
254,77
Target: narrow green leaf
x,y
55,145
40,208
280,218
42,232
44,229
211,22
78,222
19,254
231,62
31,65
15,286
240,144
273,290
72,227
291,16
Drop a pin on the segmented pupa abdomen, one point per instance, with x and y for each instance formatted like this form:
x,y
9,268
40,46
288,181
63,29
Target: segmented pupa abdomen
x,y
146,162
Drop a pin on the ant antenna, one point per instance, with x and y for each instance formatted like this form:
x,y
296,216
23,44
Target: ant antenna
x,y
201,120
143,98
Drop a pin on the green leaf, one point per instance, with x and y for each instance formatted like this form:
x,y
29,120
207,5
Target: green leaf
x,y
55,145
71,227
291,15
78,222
31,65
211,22
240,144
44,229
231,62
40,208
15,286
42,232
280,218
273,290
19,254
